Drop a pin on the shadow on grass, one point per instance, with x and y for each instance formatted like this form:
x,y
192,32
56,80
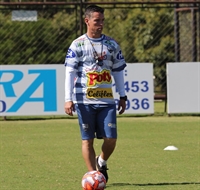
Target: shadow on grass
x,y
150,184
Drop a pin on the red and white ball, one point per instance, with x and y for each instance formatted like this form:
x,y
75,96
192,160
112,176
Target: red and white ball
x,y
93,180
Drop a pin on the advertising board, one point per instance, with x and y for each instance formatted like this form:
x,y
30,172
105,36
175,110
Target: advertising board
x,y
39,89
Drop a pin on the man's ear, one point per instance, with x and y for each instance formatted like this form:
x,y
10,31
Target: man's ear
x,y
86,21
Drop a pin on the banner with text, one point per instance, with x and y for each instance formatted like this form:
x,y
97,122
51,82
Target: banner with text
x,y
39,89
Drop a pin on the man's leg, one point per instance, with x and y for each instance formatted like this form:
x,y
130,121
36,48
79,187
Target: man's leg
x,y
87,129
108,147
109,126
88,153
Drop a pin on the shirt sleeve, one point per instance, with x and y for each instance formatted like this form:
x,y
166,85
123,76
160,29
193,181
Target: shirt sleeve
x,y
71,59
69,83
71,63
119,62
119,82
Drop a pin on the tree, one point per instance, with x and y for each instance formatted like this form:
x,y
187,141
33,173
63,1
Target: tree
x,y
42,42
145,35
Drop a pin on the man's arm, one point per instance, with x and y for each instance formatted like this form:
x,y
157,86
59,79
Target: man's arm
x,y
69,86
119,81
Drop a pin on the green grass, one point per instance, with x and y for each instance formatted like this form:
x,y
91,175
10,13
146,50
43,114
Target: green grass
x,y
159,110
46,154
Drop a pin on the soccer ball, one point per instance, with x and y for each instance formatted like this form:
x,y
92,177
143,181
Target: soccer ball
x,y
93,180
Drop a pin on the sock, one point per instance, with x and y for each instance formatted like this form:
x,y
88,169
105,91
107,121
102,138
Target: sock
x,y
101,162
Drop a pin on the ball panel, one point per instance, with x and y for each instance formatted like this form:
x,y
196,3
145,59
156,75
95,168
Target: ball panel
x,y
93,180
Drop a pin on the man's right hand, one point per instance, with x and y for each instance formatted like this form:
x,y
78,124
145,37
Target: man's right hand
x,y
69,108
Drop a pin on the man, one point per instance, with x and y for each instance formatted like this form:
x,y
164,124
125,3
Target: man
x,y
90,61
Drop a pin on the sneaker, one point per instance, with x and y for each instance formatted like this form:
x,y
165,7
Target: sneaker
x,y
102,169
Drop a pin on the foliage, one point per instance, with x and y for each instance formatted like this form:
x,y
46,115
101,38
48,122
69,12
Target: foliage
x,y
145,35
43,42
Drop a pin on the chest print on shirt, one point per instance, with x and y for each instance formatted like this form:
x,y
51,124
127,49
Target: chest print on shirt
x,y
94,78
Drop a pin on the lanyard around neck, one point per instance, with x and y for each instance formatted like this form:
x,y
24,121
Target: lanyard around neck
x,y
99,60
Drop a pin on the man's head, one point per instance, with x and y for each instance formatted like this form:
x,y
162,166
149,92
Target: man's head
x,y
94,19
91,9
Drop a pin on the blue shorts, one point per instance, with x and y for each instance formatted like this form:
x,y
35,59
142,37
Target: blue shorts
x,y
97,120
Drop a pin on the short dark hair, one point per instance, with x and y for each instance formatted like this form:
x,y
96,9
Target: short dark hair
x,y
93,8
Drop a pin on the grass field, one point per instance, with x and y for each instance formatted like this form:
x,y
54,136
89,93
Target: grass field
x,y
46,154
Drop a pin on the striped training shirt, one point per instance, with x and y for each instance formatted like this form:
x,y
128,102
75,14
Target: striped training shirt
x,y
93,83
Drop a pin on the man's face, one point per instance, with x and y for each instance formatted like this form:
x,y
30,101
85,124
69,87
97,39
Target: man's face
x,y
95,24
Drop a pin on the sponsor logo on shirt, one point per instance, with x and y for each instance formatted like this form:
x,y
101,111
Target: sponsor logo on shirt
x,y
120,56
110,46
70,54
95,78
79,44
99,93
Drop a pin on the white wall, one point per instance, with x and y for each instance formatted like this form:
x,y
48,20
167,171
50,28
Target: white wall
x,y
183,87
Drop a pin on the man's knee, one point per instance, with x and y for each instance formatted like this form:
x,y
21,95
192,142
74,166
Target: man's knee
x,y
110,141
87,143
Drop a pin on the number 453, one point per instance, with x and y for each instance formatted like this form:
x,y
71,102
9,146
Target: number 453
x,y
135,86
